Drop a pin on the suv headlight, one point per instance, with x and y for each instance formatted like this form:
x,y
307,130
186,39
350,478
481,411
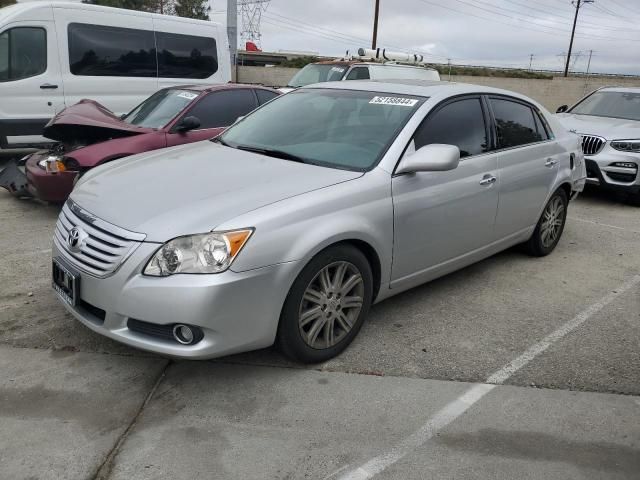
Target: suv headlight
x,y
626,145
205,253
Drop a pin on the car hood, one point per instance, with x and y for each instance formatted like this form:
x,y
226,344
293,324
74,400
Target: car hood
x,y
608,128
193,188
88,120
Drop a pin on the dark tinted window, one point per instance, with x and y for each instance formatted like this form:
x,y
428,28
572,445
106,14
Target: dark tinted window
x,y
359,73
221,109
459,123
542,131
265,95
186,56
111,51
515,122
23,53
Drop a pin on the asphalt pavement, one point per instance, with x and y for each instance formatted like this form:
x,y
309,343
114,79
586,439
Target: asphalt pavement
x,y
512,368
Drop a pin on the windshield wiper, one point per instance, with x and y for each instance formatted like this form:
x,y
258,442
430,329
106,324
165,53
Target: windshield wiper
x,y
273,153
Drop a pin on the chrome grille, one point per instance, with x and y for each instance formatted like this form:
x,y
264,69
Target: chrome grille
x,y
103,246
592,144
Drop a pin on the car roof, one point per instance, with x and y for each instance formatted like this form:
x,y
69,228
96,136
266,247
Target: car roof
x,y
620,89
219,86
423,88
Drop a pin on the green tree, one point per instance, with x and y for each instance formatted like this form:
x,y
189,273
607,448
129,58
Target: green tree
x,y
192,9
140,5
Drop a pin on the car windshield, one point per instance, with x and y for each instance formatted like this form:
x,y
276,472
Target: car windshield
x,y
347,129
316,73
160,108
610,104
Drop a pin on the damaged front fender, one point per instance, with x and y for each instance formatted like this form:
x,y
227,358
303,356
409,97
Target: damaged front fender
x,y
13,178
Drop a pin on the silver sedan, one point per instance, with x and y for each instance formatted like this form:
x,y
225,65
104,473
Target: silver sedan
x,y
290,225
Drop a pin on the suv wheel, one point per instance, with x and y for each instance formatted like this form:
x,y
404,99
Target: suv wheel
x,y
550,226
326,305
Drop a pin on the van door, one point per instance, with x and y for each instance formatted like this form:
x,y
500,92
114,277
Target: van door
x,y
109,58
190,52
31,86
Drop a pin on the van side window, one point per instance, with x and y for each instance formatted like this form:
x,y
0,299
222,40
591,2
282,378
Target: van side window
x,y
515,123
98,50
459,123
221,109
359,73
23,53
186,56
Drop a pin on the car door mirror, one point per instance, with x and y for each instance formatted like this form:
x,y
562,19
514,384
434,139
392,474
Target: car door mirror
x,y
436,157
562,109
188,123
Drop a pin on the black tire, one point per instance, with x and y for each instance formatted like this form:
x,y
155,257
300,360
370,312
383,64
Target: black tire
x,y
536,246
290,333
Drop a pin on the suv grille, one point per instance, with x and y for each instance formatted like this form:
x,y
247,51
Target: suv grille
x,y
101,247
591,144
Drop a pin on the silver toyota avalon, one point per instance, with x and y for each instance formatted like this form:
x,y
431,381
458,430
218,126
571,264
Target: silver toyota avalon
x,y
292,223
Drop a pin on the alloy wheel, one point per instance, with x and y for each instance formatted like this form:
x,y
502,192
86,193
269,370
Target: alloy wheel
x,y
552,220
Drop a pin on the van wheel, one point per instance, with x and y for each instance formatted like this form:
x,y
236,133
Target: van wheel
x,y
326,305
550,226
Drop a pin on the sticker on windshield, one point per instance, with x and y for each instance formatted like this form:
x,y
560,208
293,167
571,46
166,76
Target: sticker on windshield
x,y
400,101
187,95
337,69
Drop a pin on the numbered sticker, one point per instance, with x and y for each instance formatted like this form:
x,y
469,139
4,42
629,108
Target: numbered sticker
x,y
187,95
337,69
399,101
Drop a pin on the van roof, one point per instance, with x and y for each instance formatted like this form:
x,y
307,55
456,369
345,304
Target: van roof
x,y
11,11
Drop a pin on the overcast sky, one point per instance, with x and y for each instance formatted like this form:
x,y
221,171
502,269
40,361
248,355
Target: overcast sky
x,y
473,32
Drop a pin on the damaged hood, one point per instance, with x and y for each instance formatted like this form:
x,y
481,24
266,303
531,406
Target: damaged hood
x,y
89,121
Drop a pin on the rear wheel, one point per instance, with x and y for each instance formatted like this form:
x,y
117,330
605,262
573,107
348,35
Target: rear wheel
x,y
550,226
326,305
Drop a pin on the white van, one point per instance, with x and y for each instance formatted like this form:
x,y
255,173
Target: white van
x,y
54,54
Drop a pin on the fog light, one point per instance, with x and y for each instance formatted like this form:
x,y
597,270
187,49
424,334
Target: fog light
x,y
624,164
183,334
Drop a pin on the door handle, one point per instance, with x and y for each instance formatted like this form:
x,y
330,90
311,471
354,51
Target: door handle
x,y
48,86
550,162
488,179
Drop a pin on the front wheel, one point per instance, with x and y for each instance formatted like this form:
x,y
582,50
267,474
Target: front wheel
x,y
550,226
326,305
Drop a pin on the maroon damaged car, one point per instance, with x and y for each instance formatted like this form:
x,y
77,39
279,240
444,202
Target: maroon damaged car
x,y
90,135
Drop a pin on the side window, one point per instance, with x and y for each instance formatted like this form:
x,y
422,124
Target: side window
x,y
186,56
358,73
458,123
23,53
265,95
221,109
515,122
541,126
97,50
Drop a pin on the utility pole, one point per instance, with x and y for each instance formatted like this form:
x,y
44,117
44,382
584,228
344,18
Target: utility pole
x,y
578,4
530,61
374,41
586,82
449,63
232,33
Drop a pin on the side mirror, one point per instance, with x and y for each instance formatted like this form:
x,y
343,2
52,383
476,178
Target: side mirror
x,y
562,109
188,123
436,157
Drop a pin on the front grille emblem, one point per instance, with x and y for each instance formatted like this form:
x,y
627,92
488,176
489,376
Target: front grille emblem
x,y
76,239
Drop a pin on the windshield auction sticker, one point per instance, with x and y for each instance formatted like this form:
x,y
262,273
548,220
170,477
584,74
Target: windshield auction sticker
x,y
187,95
399,101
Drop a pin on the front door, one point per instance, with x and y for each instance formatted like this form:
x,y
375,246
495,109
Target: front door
x,y
440,216
31,86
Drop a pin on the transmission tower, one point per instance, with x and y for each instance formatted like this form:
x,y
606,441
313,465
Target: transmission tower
x,y
251,15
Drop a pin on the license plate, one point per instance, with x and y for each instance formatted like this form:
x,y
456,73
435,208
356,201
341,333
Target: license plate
x,y
65,282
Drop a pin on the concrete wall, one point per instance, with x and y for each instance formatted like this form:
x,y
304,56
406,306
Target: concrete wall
x,y
551,93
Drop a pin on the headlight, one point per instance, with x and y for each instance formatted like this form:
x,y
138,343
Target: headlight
x,y
206,253
52,164
626,145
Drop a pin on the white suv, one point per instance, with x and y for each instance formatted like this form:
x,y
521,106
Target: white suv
x,y
608,120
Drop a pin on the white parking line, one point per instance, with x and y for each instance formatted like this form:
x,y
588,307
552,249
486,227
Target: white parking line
x,y
457,407
584,220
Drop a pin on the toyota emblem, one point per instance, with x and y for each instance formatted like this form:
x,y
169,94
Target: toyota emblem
x,y
76,239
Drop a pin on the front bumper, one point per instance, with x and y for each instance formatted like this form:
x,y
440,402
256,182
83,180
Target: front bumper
x,y
602,172
237,311
50,187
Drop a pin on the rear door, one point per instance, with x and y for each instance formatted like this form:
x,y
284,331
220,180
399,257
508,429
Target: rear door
x,y
31,89
527,161
109,57
216,111
439,216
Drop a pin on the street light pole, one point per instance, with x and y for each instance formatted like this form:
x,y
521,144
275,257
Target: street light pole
x,y
578,4
375,26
